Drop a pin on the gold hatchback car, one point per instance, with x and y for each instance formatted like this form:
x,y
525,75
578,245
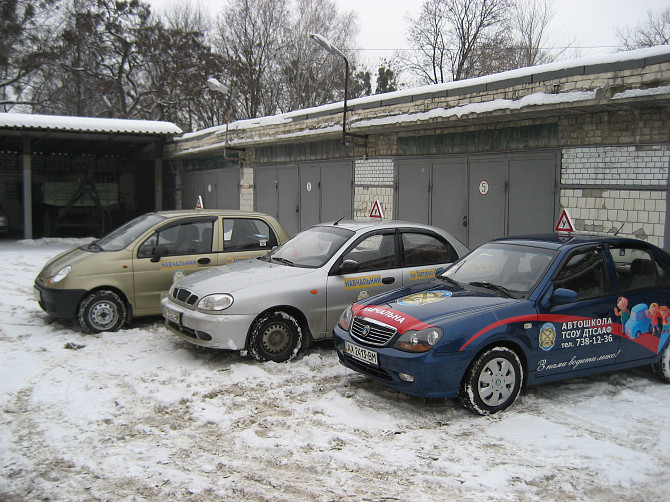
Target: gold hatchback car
x,y
125,274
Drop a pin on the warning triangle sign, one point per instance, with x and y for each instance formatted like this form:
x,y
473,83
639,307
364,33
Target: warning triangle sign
x,y
199,204
377,210
564,223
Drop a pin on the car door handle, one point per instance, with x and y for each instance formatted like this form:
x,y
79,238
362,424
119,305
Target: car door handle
x,y
203,261
388,280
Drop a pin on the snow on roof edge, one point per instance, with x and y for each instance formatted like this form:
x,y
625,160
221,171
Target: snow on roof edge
x,y
614,57
86,124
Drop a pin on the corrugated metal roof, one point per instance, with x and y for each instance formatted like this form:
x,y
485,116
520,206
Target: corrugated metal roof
x,y
86,124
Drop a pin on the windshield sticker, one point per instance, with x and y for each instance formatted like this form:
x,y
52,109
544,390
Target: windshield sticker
x,y
425,297
547,336
362,282
169,264
422,275
178,274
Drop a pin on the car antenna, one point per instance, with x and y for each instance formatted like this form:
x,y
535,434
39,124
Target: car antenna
x,y
349,212
619,229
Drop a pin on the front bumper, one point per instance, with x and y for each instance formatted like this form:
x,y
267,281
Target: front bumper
x,y
435,374
58,303
217,331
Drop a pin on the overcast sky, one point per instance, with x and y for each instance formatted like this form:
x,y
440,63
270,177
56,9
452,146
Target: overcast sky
x,y
588,24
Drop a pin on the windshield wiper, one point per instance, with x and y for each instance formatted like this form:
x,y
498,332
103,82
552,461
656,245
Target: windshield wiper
x,y
450,281
494,287
283,260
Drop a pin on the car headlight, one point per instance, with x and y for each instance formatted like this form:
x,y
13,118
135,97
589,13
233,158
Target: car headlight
x,y
345,318
61,274
215,303
419,341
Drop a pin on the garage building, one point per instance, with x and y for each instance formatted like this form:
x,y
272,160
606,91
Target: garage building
x,y
496,155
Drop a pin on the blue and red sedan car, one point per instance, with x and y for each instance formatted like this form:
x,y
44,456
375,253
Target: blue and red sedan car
x,y
516,312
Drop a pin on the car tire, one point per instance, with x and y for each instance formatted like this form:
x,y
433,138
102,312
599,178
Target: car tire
x,y
102,311
492,382
662,367
275,336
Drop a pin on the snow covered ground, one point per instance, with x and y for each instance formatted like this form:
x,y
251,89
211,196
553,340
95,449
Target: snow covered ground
x,y
140,415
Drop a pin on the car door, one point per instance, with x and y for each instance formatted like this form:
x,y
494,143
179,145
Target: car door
x,y
378,270
580,334
172,251
423,252
643,303
244,238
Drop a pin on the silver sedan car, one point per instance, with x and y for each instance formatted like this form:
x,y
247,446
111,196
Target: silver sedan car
x,y
277,304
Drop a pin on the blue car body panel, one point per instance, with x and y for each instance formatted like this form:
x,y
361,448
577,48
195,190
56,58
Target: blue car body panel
x,y
554,341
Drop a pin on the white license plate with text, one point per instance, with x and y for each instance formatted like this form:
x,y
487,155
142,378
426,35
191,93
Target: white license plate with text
x,y
361,353
172,316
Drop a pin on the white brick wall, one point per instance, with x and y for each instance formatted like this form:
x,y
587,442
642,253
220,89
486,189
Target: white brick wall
x,y
378,177
616,165
377,172
639,213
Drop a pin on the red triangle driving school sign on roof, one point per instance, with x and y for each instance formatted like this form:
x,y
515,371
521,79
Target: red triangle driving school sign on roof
x,y
377,210
564,223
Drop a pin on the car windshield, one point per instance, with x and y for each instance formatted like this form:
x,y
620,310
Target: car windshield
x,y
311,248
508,269
125,235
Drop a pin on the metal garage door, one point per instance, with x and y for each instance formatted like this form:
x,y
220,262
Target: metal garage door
x,y
479,197
301,196
219,188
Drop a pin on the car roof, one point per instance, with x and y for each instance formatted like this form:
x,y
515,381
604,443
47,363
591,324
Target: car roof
x,y
209,212
356,225
558,241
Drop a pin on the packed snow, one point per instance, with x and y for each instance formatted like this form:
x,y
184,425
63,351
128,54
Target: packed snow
x,y
141,415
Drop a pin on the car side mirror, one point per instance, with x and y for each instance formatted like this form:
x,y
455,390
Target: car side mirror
x,y
563,296
348,267
159,252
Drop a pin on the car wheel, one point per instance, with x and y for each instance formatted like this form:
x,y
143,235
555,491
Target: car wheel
x,y
102,311
662,367
492,382
275,336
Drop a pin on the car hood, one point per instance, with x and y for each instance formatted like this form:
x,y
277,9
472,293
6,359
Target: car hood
x,y
239,275
70,257
429,304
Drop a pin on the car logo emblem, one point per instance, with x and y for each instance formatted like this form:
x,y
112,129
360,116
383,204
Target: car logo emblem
x,y
366,330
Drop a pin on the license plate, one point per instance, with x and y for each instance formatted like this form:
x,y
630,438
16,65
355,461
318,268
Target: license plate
x,y
37,294
361,353
172,316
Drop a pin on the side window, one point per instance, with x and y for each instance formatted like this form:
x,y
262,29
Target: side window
x,y
177,240
584,273
426,249
375,252
637,269
247,234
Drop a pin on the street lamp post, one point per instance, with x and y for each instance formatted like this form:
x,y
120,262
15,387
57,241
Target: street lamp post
x,y
331,49
215,85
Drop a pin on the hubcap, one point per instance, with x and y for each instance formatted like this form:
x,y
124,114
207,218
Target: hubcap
x,y
276,338
496,381
103,315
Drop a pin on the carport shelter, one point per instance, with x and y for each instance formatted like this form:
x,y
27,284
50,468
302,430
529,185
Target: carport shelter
x,y
78,176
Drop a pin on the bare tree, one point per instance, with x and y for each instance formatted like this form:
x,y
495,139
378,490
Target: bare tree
x,y
428,38
531,19
251,38
309,75
449,36
655,30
